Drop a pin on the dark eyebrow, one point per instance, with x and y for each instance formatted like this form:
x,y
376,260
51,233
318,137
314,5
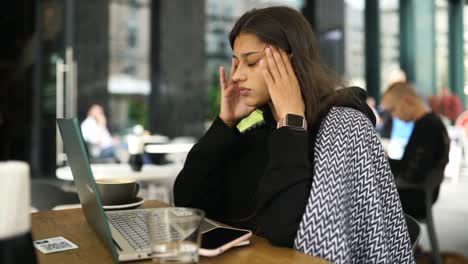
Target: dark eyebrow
x,y
244,55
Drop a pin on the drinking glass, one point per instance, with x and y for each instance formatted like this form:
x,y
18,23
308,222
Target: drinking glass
x,y
175,234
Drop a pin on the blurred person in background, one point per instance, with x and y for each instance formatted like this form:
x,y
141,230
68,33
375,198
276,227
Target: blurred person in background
x,y
300,169
450,105
94,128
434,103
428,145
394,76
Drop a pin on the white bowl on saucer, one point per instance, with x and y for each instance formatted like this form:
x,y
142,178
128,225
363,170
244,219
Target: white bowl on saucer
x,y
134,204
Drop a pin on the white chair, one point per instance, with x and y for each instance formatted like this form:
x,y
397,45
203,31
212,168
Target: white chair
x,y
462,124
414,230
453,168
47,195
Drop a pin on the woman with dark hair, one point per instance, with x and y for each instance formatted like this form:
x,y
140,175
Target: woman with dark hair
x,y
313,174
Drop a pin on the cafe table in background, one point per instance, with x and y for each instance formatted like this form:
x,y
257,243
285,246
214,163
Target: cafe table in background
x,y
156,180
155,139
149,172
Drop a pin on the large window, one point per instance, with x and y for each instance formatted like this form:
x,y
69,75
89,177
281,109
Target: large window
x,y
354,43
389,40
465,41
441,41
128,82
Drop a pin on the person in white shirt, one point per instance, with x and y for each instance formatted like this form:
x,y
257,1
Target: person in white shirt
x,y
95,133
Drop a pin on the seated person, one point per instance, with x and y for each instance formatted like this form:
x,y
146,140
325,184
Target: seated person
x,y
427,147
313,175
94,128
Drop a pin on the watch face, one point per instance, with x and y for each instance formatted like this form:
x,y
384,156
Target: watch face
x,y
295,120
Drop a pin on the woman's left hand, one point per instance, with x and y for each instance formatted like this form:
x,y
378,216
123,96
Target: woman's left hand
x,y
283,86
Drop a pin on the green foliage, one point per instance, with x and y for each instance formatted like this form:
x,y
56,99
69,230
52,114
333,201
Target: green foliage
x,y
214,97
138,113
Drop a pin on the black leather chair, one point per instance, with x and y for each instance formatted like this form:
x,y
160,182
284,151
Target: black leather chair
x,y
46,195
428,187
414,230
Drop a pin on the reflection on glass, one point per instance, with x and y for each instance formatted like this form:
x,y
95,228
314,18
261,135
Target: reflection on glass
x,y
129,45
389,40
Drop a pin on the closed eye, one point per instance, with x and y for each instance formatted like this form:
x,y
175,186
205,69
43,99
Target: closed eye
x,y
252,64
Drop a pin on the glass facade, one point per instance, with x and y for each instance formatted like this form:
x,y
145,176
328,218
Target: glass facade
x,y
389,40
465,45
129,66
101,52
155,63
354,50
442,44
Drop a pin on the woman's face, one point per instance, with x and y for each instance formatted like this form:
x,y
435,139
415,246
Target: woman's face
x,y
247,53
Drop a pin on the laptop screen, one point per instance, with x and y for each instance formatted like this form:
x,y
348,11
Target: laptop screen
x,y
88,193
400,135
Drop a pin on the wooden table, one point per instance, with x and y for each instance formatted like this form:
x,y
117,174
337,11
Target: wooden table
x,y
72,225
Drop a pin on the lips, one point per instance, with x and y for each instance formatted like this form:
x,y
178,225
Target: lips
x,y
244,91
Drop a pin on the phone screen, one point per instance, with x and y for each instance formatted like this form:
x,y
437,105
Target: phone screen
x,y
219,236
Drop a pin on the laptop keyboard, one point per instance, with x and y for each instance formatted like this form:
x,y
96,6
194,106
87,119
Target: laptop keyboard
x,y
163,233
132,226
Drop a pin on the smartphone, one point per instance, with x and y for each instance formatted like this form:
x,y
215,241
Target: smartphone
x,y
217,240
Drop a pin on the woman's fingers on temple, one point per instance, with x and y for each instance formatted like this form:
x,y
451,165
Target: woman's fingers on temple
x,y
272,88
273,68
222,77
287,62
280,63
266,74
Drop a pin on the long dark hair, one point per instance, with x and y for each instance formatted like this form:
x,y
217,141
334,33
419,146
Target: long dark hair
x,y
286,28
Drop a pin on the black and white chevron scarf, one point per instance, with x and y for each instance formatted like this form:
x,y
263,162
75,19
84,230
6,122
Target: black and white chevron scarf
x,y
353,213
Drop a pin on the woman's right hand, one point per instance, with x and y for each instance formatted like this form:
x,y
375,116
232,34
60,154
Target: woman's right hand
x,y
233,109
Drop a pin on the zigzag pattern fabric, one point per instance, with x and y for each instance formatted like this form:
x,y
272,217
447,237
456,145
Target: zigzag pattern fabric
x,y
353,213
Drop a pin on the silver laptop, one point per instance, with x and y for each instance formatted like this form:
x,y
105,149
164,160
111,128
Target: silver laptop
x,y
124,232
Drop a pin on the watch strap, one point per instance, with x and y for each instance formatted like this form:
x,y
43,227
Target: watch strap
x,y
285,121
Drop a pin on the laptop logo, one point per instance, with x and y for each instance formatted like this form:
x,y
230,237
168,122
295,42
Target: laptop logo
x,y
89,188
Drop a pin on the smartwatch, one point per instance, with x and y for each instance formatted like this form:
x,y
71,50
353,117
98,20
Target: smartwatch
x,y
295,122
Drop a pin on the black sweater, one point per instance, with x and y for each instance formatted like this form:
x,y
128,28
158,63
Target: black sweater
x,y
259,179
428,146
